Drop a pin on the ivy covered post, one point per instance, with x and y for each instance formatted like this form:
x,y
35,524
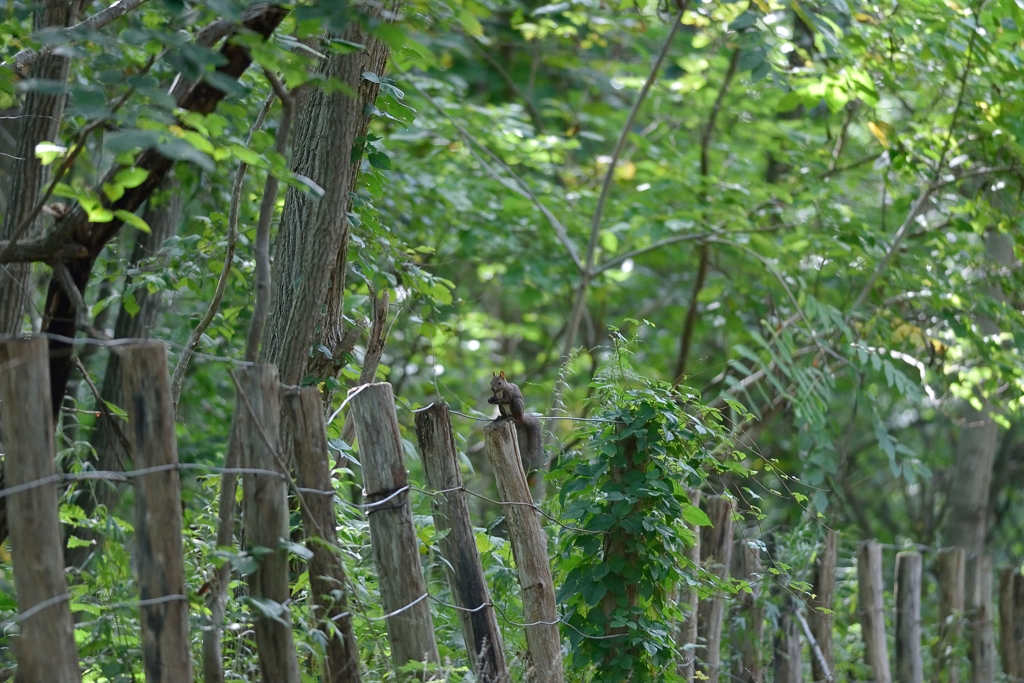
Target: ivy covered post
x,y
627,550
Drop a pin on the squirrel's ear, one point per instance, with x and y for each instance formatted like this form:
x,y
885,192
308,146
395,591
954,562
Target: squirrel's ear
x,y
492,374
502,374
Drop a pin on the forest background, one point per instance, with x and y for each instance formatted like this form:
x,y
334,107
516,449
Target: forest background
x,y
798,220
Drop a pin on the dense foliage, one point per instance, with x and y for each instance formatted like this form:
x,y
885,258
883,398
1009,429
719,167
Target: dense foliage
x,y
805,216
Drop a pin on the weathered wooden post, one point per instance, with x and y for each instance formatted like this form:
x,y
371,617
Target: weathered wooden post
x,y
746,564
392,532
265,502
787,665
909,666
870,606
1017,624
304,413
46,647
982,652
1011,622
166,646
689,600
716,556
529,547
1007,646
458,544
949,568
819,610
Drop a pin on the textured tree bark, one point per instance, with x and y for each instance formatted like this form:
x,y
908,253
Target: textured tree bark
x,y
312,241
820,622
909,665
689,600
46,646
163,220
392,530
166,647
305,419
872,615
41,114
716,556
529,548
458,544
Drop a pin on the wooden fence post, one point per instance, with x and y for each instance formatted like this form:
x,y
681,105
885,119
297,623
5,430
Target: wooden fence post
x,y
265,503
1017,632
46,647
166,653
909,666
458,544
715,556
304,414
949,568
982,645
1007,651
1011,622
689,599
392,532
529,547
823,582
870,606
787,665
746,564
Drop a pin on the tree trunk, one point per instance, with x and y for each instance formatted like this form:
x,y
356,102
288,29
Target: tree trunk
x,y
41,114
967,519
313,237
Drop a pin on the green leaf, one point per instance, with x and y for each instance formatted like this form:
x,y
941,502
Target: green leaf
x,y
379,160
130,304
694,515
131,177
133,220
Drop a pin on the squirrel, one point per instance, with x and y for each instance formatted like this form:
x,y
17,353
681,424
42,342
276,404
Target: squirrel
x,y
509,399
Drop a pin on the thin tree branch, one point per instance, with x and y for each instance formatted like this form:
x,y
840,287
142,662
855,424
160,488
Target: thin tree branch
x,y
229,256
538,123
893,246
686,337
709,129
519,186
837,151
267,205
25,58
595,227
